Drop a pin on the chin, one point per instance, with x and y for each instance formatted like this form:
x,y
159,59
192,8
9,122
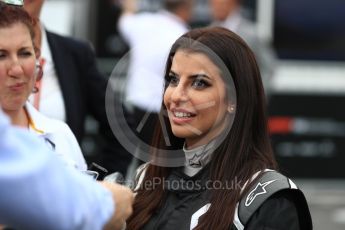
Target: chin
x,y
180,133
14,105
184,133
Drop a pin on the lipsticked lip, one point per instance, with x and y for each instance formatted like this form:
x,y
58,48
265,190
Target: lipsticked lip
x,y
17,86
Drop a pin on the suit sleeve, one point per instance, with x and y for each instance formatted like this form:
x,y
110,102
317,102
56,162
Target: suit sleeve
x,y
39,192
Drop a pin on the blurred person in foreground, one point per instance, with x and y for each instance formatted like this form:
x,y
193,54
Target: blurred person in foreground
x,y
229,14
212,163
149,35
20,69
73,88
39,192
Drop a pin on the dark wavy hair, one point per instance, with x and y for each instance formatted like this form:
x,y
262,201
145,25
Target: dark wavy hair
x,y
245,150
10,14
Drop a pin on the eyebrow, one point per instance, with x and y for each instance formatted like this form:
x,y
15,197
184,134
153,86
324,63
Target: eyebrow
x,y
201,75
25,47
21,48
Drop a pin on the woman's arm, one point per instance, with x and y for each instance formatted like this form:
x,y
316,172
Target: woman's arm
x,y
39,192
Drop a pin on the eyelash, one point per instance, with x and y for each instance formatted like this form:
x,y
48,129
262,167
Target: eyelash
x,y
22,53
25,54
2,54
173,81
170,79
204,83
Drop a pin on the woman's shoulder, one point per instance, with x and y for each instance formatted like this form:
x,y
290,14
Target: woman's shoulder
x,y
284,210
44,123
58,126
273,201
139,175
59,135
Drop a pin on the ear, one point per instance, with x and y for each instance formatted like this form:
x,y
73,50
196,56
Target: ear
x,y
39,70
37,53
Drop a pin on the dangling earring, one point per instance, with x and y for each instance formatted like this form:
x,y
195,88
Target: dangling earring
x,y
35,90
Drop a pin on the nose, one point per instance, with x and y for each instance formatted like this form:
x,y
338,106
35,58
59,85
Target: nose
x,y
15,69
179,94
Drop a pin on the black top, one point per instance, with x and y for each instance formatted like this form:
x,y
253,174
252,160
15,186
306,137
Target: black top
x,y
281,211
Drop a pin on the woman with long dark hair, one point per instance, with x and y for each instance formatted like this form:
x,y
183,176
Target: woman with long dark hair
x,y
213,125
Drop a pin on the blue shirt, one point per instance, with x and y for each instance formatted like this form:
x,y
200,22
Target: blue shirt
x,y
38,192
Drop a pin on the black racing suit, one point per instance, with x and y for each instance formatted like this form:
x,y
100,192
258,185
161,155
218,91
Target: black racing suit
x,y
186,195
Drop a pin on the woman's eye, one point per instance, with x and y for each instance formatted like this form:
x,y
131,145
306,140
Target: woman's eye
x,y
25,54
172,80
2,55
200,84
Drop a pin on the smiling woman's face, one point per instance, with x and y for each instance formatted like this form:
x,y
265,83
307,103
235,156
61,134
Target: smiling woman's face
x,y
17,66
196,98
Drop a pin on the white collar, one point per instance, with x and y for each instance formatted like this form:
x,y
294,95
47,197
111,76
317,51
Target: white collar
x,y
200,156
39,123
45,50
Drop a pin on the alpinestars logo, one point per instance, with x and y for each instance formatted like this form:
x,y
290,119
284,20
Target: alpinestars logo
x,y
257,191
195,161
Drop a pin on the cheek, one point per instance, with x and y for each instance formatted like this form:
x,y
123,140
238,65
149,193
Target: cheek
x,y
211,106
30,74
3,80
2,76
30,71
3,70
2,85
204,101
